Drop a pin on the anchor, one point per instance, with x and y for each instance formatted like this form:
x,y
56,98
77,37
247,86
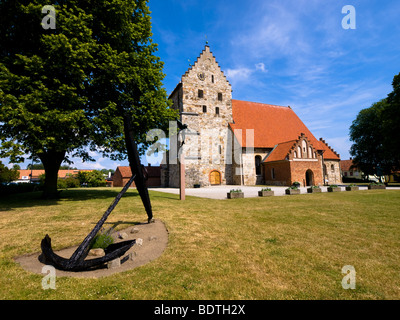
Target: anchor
x,y
77,260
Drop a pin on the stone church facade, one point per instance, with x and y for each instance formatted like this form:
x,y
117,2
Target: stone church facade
x,y
233,142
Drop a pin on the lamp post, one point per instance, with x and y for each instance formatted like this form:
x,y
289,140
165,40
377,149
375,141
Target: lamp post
x,y
181,128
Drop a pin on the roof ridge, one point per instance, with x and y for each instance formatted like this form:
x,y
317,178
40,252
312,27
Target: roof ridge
x,y
330,148
262,103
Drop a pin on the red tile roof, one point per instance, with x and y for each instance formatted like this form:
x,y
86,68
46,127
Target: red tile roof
x,y
273,125
37,172
346,164
151,171
281,151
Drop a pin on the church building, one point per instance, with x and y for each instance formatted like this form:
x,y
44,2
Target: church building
x,y
234,142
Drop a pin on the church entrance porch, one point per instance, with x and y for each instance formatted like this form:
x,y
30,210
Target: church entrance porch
x,y
309,178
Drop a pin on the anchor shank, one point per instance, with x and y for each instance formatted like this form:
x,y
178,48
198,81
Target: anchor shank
x,y
82,251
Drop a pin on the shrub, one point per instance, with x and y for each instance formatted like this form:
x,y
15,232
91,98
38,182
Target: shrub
x,y
61,184
235,190
377,184
72,182
7,189
333,186
266,189
102,240
296,184
92,179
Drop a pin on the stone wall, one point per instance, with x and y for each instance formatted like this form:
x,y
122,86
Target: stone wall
x,y
333,171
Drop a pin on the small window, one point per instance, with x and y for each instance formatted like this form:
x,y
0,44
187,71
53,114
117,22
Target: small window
x,y
217,110
219,96
332,168
212,78
258,165
219,149
204,109
200,93
273,173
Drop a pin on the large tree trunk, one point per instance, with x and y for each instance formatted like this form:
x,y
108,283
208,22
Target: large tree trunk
x,y
51,161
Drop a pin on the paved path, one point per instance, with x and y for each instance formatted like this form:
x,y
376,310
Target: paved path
x,y
219,192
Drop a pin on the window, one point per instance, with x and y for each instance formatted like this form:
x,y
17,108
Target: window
x,y
204,109
295,154
219,149
200,93
217,110
299,151
304,145
219,96
332,168
212,78
273,173
258,165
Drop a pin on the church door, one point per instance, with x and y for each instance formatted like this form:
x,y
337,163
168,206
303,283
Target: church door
x,y
309,178
215,177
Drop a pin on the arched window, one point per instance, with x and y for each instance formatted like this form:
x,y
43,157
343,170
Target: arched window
x,y
304,145
299,151
295,154
332,168
310,153
258,165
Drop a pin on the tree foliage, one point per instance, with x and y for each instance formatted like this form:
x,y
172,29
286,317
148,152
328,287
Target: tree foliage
x,y
376,135
7,175
64,91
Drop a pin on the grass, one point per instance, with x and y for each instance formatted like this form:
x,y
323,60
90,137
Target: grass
x,y
251,248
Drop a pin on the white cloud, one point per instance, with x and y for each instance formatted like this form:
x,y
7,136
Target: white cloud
x,y
261,66
239,74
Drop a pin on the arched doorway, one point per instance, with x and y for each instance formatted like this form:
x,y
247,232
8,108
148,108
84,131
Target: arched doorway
x,y
215,177
309,178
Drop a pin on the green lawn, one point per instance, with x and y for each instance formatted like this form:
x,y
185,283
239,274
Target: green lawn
x,y
288,247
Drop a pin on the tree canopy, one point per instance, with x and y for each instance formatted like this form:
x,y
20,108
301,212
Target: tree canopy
x,y
65,90
376,135
7,175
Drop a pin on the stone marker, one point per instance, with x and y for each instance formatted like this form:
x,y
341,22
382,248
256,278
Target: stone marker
x,y
116,263
98,252
123,235
134,230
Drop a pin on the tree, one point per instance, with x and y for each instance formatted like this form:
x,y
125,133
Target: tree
x,y
93,178
392,123
65,90
376,135
7,175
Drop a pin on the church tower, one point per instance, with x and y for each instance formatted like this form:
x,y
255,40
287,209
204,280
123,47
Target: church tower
x,y
204,100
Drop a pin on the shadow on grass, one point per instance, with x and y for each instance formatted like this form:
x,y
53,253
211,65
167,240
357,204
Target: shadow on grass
x,y
33,199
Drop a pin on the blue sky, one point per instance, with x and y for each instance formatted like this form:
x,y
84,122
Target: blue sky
x,y
285,52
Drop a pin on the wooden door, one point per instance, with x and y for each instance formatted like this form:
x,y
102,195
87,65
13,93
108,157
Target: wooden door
x,y
215,177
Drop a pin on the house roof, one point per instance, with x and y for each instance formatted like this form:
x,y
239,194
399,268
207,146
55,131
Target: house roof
x,y
346,164
151,171
37,173
280,151
272,126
